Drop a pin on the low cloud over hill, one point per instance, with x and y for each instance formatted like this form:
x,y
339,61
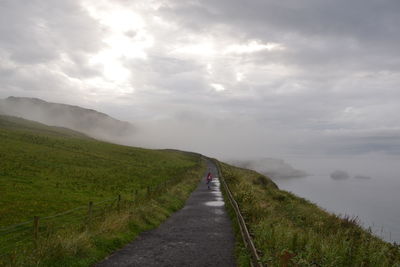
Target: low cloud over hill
x,y
90,122
274,168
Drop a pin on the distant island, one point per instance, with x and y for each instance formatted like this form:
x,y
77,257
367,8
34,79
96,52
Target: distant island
x,y
339,175
362,177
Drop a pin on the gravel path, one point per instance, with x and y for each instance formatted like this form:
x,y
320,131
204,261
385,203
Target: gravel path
x,y
200,234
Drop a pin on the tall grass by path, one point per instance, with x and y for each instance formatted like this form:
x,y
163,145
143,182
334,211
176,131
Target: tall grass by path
x,y
85,243
291,231
242,254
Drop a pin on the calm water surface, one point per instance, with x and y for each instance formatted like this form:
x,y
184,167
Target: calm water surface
x,y
376,201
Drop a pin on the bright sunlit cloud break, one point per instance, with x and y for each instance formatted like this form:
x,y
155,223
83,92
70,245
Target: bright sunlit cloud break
x,y
252,47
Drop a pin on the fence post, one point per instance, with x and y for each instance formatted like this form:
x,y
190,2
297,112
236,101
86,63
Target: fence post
x,y
90,212
36,230
119,203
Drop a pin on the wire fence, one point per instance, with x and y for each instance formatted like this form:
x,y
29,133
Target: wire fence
x,y
247,239
28,234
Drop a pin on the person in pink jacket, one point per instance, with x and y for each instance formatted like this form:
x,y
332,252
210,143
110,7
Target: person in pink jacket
x,y
209,178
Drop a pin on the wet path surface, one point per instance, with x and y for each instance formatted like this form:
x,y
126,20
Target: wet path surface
x,y
200,234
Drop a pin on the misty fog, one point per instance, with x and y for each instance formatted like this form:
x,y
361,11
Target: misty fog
x,y
306,90
245,144
273,168
308,174
90,122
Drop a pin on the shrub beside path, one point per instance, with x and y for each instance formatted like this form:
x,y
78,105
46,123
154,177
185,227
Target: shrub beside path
x,y
200,234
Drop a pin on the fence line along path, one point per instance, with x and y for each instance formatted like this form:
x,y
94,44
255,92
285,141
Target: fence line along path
x,y
30,234
200,234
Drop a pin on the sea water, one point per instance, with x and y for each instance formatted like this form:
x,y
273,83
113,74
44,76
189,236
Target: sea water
x,y
375,201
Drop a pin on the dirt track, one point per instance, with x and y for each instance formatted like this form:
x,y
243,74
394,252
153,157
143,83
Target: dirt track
x,y
200,234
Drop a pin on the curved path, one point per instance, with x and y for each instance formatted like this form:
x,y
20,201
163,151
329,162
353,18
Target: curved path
x,y
200,234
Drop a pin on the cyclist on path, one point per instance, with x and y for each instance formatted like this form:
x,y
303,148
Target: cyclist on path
x,y
209,178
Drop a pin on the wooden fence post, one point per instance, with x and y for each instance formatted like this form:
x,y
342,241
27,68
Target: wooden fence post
x,y
90,212
119,203
36,230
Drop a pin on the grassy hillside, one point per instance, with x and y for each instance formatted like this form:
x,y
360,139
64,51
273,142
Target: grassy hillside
x,y
80,119
47,170
290,231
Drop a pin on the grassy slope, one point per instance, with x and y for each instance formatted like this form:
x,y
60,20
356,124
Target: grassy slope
x,y
45,170
290,231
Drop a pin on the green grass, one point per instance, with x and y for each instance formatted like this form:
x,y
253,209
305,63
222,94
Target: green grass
x,y
46,170
84,244
291,231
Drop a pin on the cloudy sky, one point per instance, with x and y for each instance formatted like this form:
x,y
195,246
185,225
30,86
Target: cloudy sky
x,y
226,78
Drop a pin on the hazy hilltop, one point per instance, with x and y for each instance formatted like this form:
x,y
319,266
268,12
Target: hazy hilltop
x,y
88,121
274,168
